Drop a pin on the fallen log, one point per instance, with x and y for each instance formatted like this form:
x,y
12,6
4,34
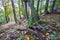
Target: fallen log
x,y
7,25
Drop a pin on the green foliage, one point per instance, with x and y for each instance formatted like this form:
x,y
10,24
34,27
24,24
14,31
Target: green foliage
x,y
49,7
2,17
30,22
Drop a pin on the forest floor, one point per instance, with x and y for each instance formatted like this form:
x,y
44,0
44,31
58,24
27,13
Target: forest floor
x,y
46,18
23,24
51,17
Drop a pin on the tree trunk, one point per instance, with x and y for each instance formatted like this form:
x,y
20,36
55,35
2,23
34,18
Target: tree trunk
x,y
14,10
52,7
34,13
46,6
31,5
32,17
6,17
37,9
27,16
32,10
19,9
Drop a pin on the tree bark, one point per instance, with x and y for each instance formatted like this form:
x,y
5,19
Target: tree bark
x,y
27,16
37,9
6,17
19,9
52,7
14,10
46,6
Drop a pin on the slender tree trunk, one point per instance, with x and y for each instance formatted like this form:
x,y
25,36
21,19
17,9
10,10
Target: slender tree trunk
x,y
19,9
27,16
31,18
14,10
6,17
32,10
46,6
26,13
24,9
52,7
34,13
40,5
37,9
31,5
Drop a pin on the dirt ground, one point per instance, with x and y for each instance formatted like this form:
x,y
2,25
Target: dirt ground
x,y
48,17
51,17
